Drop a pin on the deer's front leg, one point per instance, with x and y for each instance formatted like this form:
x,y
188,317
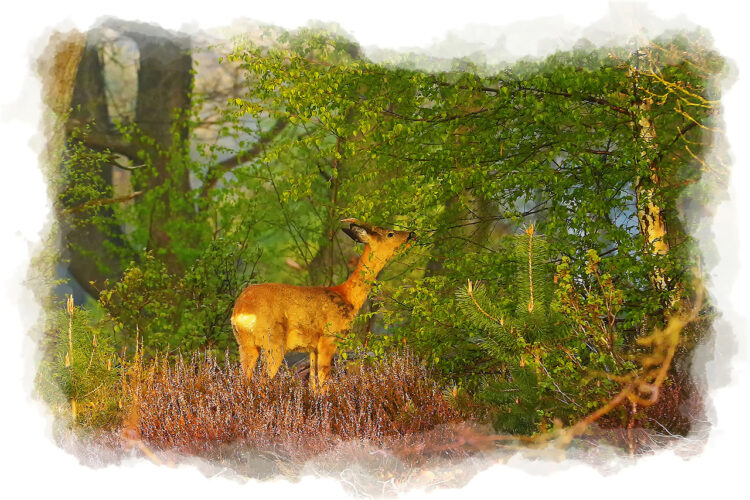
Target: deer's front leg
x,y
313,369
326,349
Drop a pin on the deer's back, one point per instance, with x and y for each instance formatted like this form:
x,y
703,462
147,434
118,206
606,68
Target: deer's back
x,y
300,314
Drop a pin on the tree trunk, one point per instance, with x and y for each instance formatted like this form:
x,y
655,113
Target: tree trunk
x,y
90,261
164,84
651,219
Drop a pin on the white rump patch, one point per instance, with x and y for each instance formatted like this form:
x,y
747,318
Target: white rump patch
x,y
245,321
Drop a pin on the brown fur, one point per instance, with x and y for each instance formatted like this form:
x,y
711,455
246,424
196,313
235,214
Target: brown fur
x,y
277,318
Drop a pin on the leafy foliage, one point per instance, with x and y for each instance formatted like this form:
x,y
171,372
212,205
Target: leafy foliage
x,y
544,345
578,146
190,311
469,156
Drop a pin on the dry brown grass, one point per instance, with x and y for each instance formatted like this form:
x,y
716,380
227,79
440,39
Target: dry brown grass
x,y
197,406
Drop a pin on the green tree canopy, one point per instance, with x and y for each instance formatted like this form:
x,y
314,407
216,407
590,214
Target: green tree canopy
x,y
601,149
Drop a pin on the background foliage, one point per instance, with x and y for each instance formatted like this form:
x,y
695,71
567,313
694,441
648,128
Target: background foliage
x,y
562,189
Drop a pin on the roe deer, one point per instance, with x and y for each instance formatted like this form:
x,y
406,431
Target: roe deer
x,y
279,318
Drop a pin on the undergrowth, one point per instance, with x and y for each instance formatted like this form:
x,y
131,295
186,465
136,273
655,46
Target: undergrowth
x,y
195,405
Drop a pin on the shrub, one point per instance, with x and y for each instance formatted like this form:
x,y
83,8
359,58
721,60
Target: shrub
x,y
195,405
189,310
80,371
554,353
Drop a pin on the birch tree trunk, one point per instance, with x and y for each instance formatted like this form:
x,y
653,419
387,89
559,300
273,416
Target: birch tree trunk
x,y
651,219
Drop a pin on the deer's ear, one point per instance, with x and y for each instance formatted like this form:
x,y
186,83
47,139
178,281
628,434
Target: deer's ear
x,y
356,233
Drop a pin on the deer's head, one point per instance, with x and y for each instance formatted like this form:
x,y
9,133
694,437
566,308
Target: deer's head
x,y
383,243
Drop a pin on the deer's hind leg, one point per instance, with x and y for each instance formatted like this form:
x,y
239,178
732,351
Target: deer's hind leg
x,y
249,358
242,326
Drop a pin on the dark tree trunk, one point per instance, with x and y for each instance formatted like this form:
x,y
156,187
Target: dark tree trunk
x,y
90,261
164,84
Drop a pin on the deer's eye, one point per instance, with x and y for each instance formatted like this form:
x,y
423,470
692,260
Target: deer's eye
x,y
390,235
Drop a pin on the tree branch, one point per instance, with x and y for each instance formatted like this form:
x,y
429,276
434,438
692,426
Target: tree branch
x,y
217,171
101,202
103,141
585,98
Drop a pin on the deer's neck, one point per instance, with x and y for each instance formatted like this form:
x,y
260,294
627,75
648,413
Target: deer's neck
x,y
359,283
